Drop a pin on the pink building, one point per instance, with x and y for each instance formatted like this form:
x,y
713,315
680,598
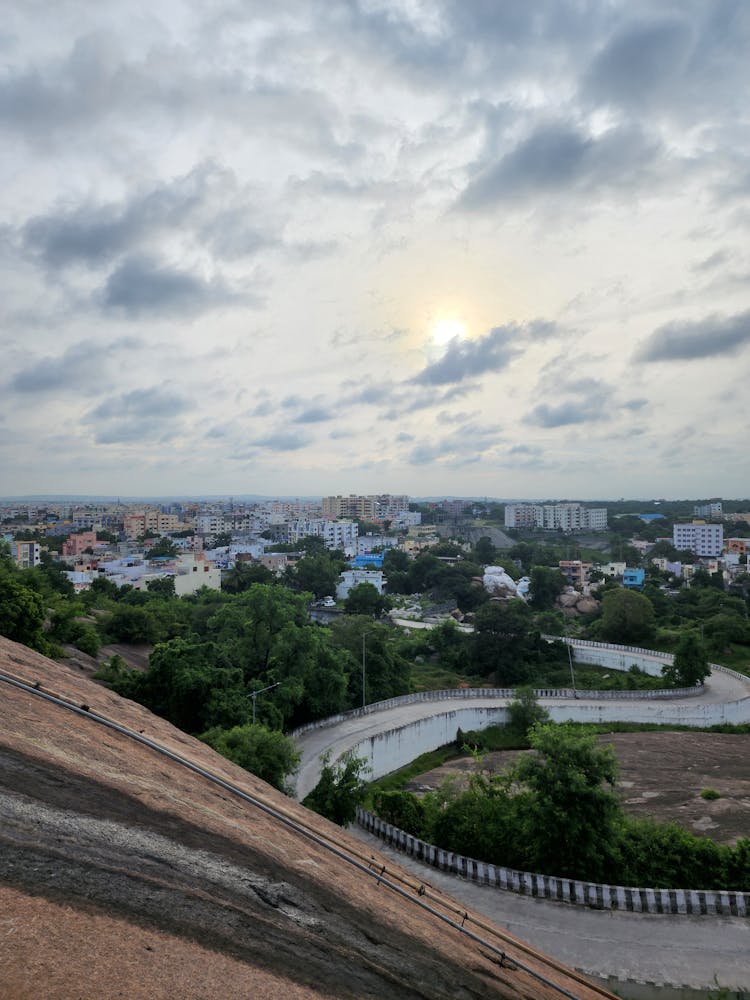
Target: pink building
x,y
76,544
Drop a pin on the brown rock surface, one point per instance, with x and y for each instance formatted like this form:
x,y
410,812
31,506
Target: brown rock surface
x,y
123,874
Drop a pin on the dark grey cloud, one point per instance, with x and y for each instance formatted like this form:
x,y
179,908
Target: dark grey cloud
x,y
96,81
140,285
571,412
680,60
710,337
406,399
141,415
592,399
94,234
314,415
80,368
464,445
641,60
559,157
282,441
466,359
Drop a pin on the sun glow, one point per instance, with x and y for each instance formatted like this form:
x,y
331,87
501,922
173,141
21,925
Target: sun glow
x,y
444,330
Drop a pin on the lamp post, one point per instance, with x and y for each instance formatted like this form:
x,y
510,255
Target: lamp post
x,y
364,662
572,672
364,658
254,695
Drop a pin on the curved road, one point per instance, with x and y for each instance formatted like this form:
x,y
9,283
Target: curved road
x,y
702,952
337,739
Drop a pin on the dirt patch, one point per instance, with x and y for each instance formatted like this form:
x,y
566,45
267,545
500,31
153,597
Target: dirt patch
x,y
662,775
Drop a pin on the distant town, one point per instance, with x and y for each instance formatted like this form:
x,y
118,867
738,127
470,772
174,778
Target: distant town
x,y
195,544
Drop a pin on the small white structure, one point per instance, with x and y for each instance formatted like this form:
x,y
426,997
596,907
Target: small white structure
x,y
351,578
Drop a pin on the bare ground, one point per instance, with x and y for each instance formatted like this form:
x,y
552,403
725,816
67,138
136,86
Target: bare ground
x,y
661,777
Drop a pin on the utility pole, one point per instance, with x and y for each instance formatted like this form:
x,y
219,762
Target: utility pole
x,y
364,655
254,695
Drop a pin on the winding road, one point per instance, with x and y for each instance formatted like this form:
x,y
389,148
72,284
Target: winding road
x,y
700,952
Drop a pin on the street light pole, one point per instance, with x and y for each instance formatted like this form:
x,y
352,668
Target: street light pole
x,y
254,695
364,656
572,672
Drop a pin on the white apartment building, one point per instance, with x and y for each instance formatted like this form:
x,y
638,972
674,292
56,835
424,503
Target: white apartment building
x,y
711,510
219,524
556,517
703,539
335,534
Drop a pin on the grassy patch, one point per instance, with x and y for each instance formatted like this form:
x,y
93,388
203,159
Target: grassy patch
x,y
420,765
710,794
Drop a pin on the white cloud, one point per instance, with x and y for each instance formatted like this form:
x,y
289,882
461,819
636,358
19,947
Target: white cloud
x,y
229,231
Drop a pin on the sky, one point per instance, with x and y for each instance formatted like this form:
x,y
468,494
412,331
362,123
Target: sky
x,y
458,247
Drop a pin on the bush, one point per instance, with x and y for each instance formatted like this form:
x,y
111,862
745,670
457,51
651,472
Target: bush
x,y
340,791
710,794
266,753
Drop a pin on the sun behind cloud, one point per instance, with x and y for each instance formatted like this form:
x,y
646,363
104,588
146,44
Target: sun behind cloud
x,y
446,329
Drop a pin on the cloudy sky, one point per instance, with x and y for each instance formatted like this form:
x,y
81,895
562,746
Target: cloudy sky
x,y
468,247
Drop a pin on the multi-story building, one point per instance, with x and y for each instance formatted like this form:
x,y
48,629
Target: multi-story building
x,y
26,555
219,524
574,571
556,517
706,540
365,508
711,510
77,544
351,578
139,523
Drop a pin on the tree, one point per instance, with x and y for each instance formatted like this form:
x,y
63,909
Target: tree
x,y
524,712
365,599
485,552
21,614
340,791
163,547
504,642
690,664
266,753
222,540
162,586
570,815
244,575
627,617
317,573
132,624
546,586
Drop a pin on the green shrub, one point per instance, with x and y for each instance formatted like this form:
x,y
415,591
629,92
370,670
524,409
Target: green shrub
x,y
710,794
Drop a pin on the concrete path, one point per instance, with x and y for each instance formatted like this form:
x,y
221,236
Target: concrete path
x,y
699,952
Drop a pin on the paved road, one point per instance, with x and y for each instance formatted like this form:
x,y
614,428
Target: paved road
x,y
719,688
700,952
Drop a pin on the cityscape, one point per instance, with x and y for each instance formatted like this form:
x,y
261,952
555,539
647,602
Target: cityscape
x,y
375,500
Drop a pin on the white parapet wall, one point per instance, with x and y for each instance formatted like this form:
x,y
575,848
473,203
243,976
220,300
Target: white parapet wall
x,y
696,902
391,734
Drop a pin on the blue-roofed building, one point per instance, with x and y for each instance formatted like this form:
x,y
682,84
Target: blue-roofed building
x,y
367,560
648,518
633,578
